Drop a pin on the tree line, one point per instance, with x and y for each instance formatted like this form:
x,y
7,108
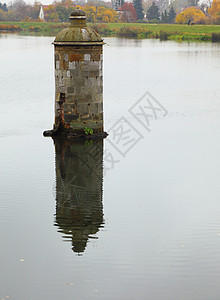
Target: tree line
x,y
58,11
98,11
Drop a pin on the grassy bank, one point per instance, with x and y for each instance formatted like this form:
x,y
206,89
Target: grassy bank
x,y
42,27
161,31
134,30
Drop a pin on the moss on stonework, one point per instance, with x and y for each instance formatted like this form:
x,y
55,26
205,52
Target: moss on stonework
x,y
78,30
77,34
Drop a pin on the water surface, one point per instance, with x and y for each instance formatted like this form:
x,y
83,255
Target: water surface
x,y
74,226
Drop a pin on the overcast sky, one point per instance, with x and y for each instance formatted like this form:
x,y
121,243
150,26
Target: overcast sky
x,y
44,2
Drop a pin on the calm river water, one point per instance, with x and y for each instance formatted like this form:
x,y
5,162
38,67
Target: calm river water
x,y
137,217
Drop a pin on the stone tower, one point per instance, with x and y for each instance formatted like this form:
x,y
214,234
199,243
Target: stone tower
x,y
78,78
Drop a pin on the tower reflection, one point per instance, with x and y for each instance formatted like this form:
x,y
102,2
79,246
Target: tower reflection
x,y
79,176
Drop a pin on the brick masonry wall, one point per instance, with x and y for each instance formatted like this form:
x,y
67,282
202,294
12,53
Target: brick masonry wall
x,y
79,87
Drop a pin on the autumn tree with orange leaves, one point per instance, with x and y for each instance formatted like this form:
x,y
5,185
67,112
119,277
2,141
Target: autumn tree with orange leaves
x,y
215,8
99,14
191,14
214,12
197,16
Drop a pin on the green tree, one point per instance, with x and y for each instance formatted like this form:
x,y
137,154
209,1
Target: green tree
x,y
3,7
171,15
164,17
2,15
193,2
54,17
153,12
119,3
11,16
139,9
33,11
20,9
63,13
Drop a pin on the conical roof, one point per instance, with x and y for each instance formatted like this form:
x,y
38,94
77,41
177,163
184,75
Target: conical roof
x,y
78,32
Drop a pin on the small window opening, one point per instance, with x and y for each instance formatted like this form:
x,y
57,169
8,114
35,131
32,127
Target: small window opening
x,y
62,97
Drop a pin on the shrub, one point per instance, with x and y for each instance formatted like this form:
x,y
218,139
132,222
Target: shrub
x,y
35,28
141,21
216,20
163,36
101,28
154,21
215,37
147,34
4,27
129,31
88,131
203,20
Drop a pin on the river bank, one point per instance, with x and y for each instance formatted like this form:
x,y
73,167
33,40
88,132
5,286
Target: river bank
x,y
128,30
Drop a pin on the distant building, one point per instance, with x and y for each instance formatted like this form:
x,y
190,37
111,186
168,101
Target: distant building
x,y
41,14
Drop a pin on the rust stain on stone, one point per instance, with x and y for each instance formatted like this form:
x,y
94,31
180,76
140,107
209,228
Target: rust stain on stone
x,y
76,57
